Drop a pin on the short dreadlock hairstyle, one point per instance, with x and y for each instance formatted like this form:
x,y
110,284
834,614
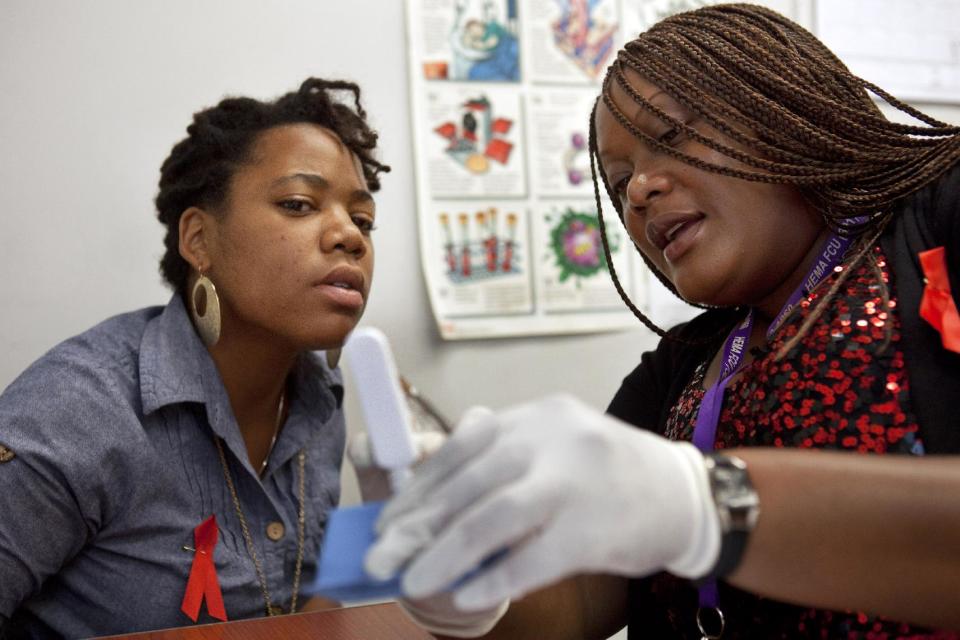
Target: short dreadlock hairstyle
x,y
220,140
804,119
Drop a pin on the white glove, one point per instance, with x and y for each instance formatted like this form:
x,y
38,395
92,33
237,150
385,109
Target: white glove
x,y
437,613
565,488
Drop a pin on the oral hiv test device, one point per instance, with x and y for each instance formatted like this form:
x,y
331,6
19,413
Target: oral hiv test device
x,y
350,530
384,405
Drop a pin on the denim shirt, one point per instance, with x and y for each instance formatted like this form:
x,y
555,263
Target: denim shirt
x,y
115,464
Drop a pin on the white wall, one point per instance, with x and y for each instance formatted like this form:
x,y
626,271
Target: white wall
x,y
92,97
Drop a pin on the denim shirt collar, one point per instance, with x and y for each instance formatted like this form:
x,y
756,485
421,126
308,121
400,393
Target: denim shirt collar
x,y
175,367
173,360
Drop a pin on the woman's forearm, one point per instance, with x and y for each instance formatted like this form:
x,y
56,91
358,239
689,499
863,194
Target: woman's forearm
x,y
847,531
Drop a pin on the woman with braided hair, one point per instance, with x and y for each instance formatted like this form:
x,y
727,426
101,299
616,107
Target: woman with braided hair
x,y
177,464
758,180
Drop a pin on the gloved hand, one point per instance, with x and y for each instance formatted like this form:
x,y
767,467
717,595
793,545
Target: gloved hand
x,y
437,613
564,488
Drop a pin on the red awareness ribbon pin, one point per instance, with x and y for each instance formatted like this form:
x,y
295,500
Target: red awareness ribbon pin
x,y
203,575
937,305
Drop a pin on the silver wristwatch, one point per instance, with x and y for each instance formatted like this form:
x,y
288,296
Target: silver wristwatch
x,y
738,507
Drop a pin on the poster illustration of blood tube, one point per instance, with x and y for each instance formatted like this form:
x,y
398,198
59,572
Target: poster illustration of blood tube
x,y
478,257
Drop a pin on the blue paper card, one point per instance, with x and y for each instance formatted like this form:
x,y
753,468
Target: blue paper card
x,y
350,533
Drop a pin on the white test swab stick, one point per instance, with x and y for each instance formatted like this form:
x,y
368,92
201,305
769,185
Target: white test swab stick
x,y
382,401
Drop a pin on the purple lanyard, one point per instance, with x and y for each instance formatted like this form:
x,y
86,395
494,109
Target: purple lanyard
x,y
705,430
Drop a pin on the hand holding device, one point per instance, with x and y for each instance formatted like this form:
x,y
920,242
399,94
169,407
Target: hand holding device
x,y
384,405
350,530
393,447
397,418
565,488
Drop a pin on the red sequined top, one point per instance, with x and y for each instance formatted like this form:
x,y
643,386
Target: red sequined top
x,y
843,386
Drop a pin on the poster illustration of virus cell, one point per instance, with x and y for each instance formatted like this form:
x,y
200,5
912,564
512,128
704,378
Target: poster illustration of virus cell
x,y
577,247
478,138
583,35
476,248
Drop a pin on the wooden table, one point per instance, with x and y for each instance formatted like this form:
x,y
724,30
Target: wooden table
x,y
371,622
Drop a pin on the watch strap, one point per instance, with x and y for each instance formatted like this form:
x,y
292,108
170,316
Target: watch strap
x,y
738,508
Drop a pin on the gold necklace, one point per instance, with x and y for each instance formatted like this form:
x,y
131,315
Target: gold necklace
x,y
276,430
301,520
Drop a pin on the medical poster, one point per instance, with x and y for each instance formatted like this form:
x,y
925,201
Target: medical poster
x,y
501,94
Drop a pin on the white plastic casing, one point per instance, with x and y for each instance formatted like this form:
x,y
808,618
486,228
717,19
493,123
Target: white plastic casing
x,y
382,401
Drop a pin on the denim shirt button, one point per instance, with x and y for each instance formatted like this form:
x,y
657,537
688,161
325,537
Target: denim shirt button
x,y
275,531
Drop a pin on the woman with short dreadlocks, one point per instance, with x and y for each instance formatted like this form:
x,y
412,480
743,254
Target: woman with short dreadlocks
x,y
177,464
794,473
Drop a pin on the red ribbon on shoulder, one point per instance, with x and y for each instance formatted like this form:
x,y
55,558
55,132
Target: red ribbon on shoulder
x,y
937,305
203,574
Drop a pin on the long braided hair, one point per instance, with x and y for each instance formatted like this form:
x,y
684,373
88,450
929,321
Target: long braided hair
x,y
219,141
801,116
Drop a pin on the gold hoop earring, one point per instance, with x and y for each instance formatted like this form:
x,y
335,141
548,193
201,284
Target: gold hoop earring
x,y
205,309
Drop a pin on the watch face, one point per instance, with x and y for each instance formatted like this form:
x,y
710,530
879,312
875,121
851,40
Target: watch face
x,y
737,503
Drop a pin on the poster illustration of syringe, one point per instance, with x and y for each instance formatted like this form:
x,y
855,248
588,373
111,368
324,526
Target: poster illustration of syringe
x,y
478,254
474,144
